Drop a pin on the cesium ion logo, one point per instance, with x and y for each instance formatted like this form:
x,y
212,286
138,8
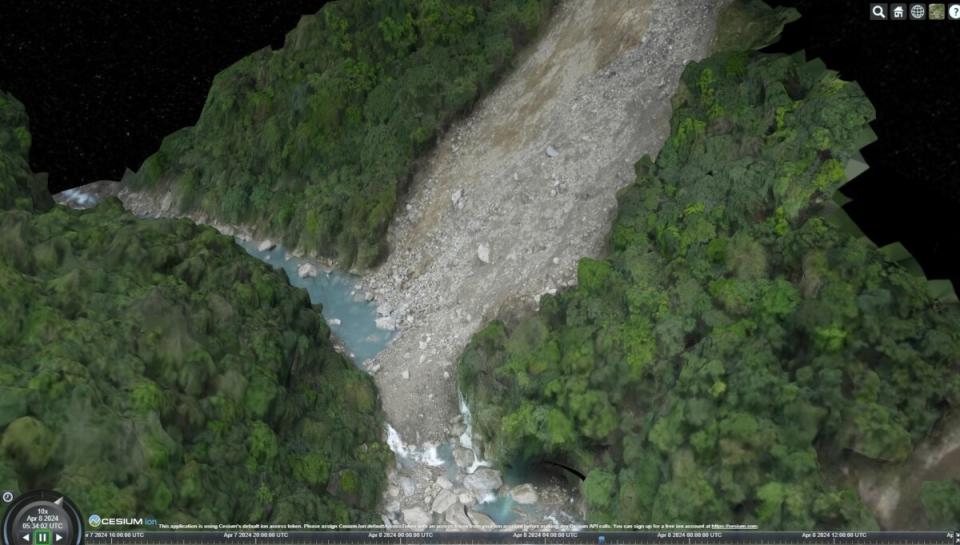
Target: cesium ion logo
x,y
94,521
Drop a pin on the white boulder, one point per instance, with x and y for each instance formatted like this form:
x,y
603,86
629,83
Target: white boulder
x,y
386,322
307,270
483,252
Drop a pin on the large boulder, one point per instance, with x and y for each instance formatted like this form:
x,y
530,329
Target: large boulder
x,y
408,486
463,457
480,519
416,517
525,494
483,480
307,270
457,516
483,252
443,501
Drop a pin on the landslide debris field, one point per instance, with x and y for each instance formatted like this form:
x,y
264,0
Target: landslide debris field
x,y
517,192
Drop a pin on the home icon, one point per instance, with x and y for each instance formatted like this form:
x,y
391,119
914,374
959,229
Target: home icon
x,y
899,12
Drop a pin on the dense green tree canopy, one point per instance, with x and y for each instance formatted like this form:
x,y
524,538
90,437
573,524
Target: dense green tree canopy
x,y
941,504
151,366
735,346
314,142
19,188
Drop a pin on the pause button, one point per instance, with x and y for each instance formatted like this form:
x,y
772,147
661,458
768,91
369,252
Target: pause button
x,y
41,537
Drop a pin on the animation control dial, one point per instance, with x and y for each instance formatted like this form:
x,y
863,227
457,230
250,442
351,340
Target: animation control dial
x,y
42,517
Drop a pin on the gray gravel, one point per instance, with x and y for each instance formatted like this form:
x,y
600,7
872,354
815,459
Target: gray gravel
x,y
516,193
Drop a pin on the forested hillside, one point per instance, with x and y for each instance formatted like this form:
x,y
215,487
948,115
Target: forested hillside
x,y
736,349
19,188
313,143
152,367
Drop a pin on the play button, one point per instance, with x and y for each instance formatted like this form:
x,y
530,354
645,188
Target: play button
x,y
57,538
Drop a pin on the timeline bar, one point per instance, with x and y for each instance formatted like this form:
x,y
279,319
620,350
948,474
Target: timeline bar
x,y
428,537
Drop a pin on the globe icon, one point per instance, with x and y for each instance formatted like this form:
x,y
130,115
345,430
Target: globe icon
x,y
917,11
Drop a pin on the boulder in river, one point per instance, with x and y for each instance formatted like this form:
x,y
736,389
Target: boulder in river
x,y
525,494
483,480
266,246
307,270
334,321
463,457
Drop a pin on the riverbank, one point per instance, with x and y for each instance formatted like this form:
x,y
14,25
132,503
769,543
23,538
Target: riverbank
x,y
461,488
502,210
515,194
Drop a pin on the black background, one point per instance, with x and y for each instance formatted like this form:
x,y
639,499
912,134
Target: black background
x,y
105,80
910,70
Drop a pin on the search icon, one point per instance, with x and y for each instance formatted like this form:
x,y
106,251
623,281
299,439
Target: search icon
x,y
878,11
